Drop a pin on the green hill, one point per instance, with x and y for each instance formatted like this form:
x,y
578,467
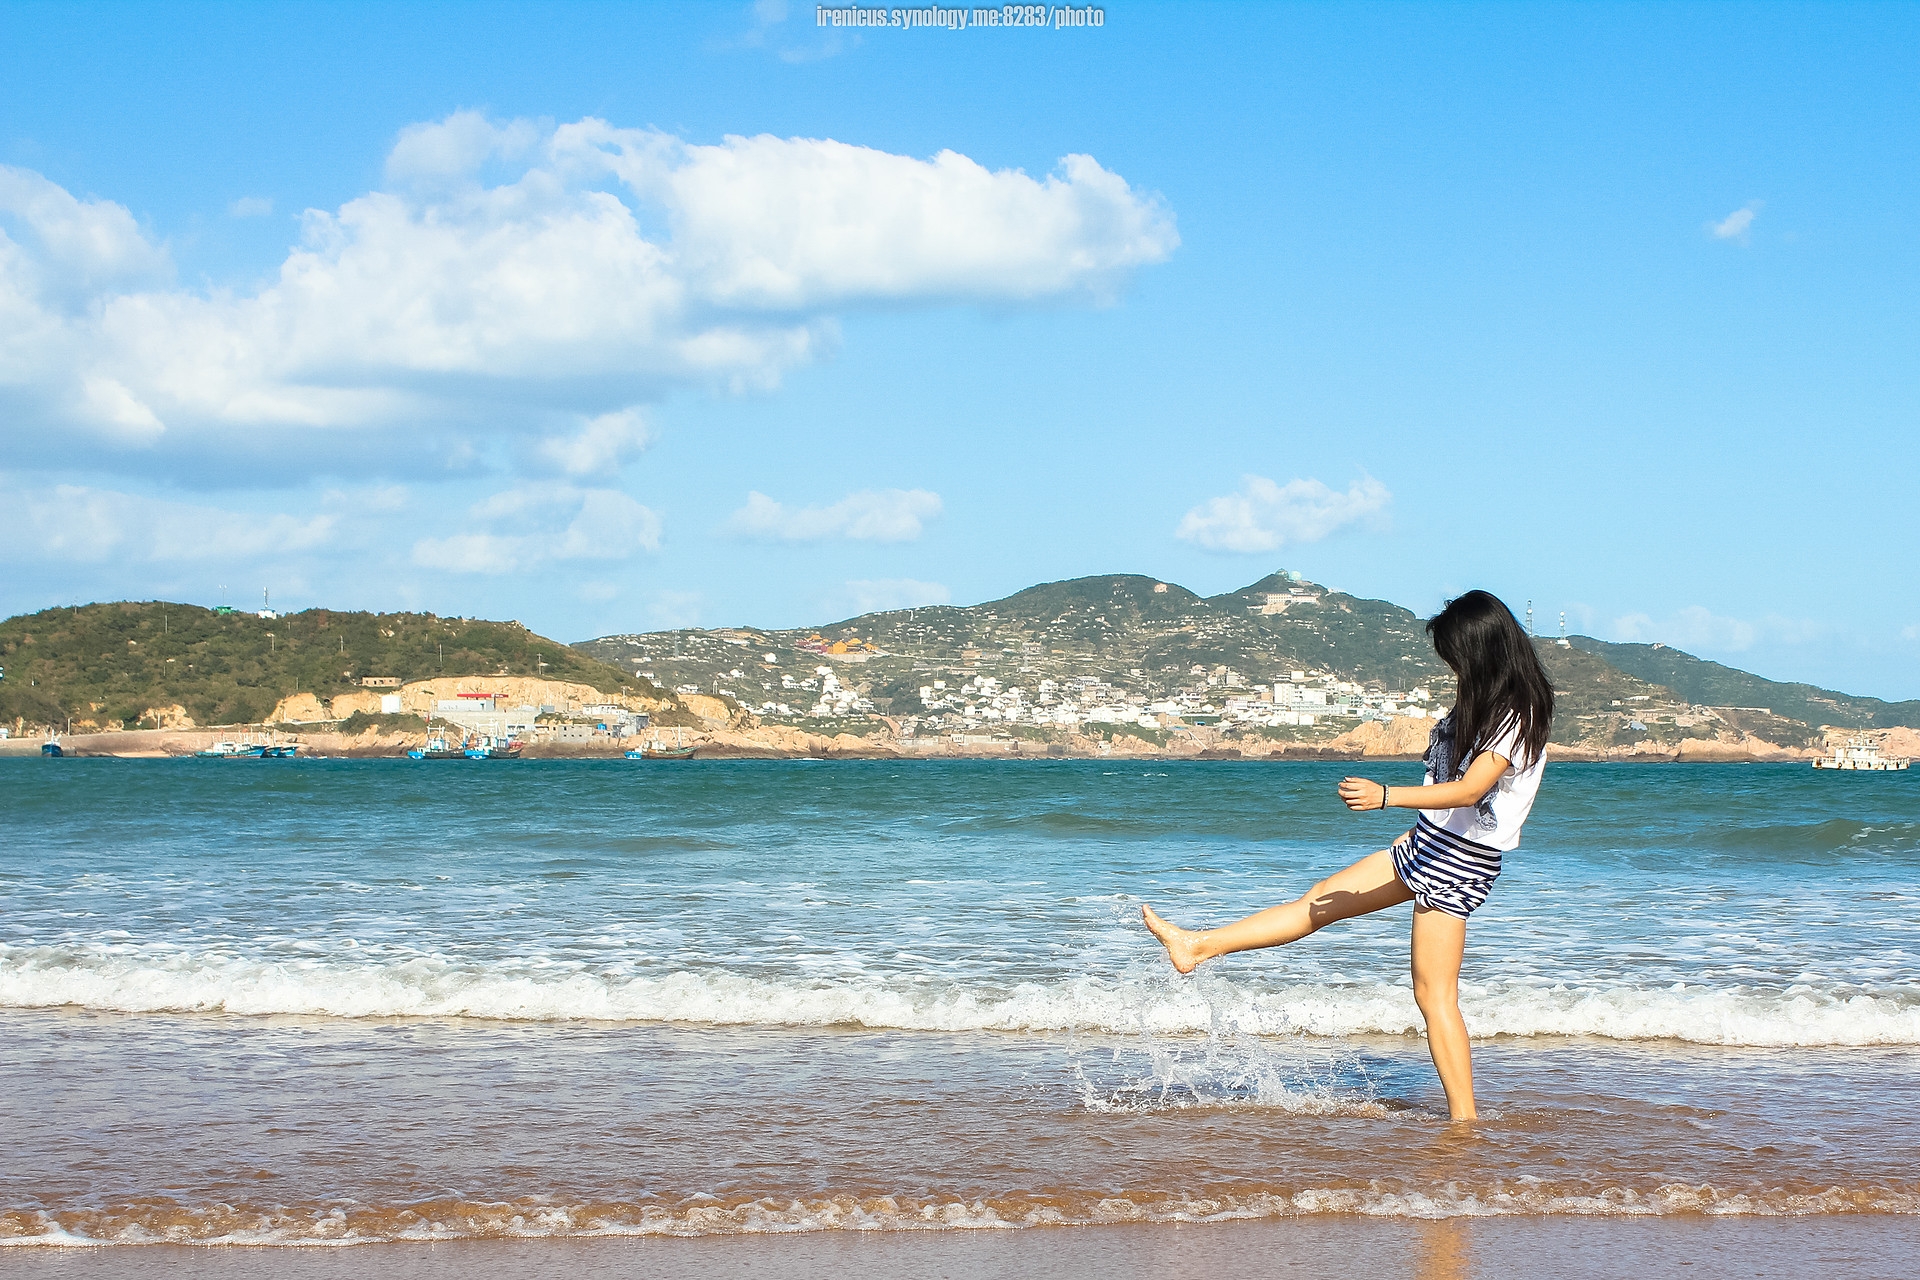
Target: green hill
x,y
1134,631
1711,684
1156,644
110,663
1097,607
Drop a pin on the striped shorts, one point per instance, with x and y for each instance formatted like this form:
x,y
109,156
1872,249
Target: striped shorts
x,y
1446,872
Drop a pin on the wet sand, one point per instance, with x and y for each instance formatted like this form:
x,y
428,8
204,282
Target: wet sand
x,y
236,1132
1875,1245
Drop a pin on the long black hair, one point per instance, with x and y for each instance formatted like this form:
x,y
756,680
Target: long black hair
x,y
1500,677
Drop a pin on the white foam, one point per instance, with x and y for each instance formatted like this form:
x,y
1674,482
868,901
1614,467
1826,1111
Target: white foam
x,y
707,1216
151,980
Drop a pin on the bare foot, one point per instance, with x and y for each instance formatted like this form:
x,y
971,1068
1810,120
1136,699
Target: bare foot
x,y
1182,947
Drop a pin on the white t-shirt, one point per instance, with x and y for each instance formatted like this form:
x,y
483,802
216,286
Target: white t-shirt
x,y
1497,819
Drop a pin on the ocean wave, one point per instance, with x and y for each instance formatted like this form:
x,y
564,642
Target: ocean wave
x,y
1817,840
132,979
161,1221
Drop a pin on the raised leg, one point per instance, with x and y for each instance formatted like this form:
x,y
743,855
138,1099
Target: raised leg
x,y
1439,942
1368,885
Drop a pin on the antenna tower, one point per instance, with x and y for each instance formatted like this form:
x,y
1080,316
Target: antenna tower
x,y
1529,617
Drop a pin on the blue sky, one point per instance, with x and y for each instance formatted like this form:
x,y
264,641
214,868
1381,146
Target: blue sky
x,y
615,317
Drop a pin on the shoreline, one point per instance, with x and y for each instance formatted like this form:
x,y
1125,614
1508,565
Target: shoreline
x,y
1338,1248
783,743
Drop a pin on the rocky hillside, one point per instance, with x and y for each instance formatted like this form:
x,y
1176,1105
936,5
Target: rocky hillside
x,y
1710,684
1282,658
160,664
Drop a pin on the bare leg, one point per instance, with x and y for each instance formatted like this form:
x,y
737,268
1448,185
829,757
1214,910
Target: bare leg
x,y
1439,942
1368,885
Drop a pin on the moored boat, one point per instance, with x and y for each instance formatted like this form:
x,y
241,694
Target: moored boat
x,y
438,748
1861,755
491,748
658,750
249,749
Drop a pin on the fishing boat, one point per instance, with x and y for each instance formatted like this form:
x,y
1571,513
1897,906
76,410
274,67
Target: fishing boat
x,y
491,748
658,750
1861,754
273,750
222,751
438,748
52,749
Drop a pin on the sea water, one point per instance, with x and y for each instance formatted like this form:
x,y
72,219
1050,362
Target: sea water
x,y
313,1000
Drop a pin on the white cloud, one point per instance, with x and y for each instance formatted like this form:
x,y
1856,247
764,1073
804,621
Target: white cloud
x,y
456,146
1265,516
519,271
250,207
118,413
770,223
768,31
766,15
81,244
1736,225
1692,627
374,500
532,526
871,515
73,524
602,445
670,610
877,595
1698,628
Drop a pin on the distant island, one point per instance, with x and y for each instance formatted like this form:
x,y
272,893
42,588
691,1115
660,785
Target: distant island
x,y
1095,666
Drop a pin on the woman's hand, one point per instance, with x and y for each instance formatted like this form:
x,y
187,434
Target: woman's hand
x,y
1482,776
1362,794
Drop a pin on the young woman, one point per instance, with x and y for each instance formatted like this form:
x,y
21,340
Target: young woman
x,y
1484,762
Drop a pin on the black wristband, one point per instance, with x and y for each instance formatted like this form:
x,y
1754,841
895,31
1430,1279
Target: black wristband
x,y
1383,795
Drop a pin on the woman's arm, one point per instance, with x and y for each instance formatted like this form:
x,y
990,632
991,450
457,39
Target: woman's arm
x,y
1364,793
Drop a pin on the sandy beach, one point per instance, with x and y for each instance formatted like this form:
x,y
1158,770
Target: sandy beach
x,y
1867,1248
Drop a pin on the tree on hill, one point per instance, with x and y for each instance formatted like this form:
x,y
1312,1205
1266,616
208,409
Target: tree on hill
x,y
109,663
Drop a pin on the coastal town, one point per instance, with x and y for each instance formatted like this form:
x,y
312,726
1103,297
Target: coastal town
x,y
1099,655
1129,663
982,703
